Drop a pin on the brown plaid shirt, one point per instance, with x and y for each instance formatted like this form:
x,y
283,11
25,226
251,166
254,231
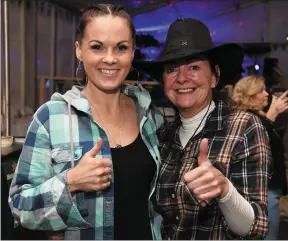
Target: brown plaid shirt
x,y
238,146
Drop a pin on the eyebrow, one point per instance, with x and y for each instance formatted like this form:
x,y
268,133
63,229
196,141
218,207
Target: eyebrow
x,y
121,42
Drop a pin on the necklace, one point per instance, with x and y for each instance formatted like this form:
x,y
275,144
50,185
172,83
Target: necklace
x,y
202,121
106,129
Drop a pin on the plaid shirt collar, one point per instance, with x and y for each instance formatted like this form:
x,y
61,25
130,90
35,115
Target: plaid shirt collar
x,y
215,121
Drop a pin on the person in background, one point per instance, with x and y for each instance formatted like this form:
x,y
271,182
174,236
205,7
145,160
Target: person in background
x,y
215,159
250,94
90,159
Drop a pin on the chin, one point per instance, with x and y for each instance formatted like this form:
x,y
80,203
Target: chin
x,y
185,105
111,89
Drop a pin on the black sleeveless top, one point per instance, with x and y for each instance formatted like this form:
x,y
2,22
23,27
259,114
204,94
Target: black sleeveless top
x,y
134,169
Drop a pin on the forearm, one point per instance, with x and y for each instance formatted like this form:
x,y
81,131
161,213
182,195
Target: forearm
x,y
234,205
48,203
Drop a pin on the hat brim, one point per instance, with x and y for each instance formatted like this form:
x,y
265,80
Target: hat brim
x,y
228,56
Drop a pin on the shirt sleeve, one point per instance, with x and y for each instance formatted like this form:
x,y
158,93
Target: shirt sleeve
x,y
38,199
249,174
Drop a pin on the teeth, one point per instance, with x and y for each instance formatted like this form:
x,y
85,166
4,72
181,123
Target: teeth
x,y
109,71
185,90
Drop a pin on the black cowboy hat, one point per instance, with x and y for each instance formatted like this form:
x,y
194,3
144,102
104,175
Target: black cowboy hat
x,y
189,37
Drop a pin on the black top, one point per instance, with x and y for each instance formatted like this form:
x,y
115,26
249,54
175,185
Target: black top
x,y
134,169
278,180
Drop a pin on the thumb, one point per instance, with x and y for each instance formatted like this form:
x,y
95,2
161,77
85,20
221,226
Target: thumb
x,y
95,149
203,152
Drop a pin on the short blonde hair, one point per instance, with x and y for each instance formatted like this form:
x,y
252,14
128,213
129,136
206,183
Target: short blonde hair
x,y
244,91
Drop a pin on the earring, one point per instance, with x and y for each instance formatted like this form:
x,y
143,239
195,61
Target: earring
x,y
133,69
77,70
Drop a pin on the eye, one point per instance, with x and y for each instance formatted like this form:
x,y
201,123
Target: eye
x,y
122,47
170,70
96,47
194,67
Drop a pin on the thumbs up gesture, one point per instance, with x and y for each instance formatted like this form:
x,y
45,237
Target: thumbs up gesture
x,y
205,181
91,174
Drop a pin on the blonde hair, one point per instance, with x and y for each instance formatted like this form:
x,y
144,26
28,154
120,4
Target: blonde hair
x,y
244,91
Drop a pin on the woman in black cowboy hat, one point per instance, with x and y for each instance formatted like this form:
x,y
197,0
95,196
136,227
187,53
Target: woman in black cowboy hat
x,y
215,160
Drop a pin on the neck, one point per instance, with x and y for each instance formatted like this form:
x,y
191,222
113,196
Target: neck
x,y
189,113
108,102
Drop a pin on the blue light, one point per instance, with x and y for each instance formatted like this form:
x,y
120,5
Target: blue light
x,y
47,84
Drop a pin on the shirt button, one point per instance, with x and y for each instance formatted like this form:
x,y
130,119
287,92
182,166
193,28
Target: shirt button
x,y
76,156
173,196
177,218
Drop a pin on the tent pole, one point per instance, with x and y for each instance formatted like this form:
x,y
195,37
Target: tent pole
x,y
6,64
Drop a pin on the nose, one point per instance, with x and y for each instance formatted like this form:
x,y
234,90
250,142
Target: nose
x,y
109,58
266,93
181,77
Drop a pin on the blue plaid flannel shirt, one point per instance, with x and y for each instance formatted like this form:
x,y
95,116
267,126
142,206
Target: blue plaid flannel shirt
x,y
61,132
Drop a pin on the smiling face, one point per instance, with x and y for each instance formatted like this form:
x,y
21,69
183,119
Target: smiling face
x,y
188,86
107,51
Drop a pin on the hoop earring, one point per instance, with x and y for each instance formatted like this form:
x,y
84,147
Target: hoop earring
x,y
77,70
133,69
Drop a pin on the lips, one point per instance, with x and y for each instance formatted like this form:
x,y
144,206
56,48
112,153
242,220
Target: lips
x,y
109,72
186,90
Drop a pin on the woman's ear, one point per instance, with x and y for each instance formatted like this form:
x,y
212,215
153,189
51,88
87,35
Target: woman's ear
x,y
78,50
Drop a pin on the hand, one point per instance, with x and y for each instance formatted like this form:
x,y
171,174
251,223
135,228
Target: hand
x,y
91,174
278,105
205,181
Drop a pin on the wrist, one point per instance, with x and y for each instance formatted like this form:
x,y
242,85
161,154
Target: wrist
x,y
71,181
271,115
225,189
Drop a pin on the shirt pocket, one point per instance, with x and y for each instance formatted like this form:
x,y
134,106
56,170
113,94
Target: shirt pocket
x,y
62,161
61,158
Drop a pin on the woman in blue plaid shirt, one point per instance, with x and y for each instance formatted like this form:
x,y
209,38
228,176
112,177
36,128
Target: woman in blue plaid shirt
x,y
90,159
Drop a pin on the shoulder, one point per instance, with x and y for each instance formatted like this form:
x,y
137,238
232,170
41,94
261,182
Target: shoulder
x,y
156,116
245,120
144,105
167,130
52,107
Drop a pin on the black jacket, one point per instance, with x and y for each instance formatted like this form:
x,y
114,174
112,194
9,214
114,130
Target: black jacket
x,y
278,180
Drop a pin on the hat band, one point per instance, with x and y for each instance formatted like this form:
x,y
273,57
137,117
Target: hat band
x,y
178,53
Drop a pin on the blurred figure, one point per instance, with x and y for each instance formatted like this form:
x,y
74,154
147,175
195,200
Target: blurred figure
x,y
250,94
